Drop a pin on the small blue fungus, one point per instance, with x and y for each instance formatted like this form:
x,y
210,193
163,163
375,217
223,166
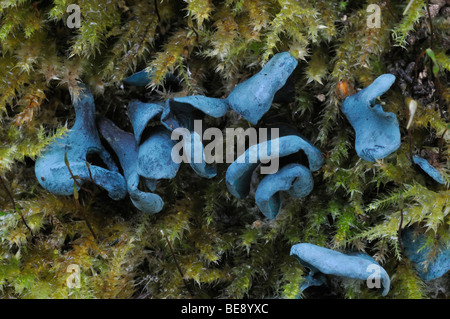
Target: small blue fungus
x,y
239,173
320,260
295,179
417,251
377,132
140,114
180,113
253,97
51,169
143,78
155,156
154,160
429,169
124,145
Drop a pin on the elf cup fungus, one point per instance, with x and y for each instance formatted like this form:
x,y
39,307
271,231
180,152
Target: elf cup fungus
x,y
125,146
294,178
180,114
429,169
52,170
320,260
377,132
154,159
253,97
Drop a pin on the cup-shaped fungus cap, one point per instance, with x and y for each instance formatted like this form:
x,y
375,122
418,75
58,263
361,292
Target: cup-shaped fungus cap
x,y
126,149
141,114
51,169
377,132
180,115
253,97
155,160
239,173
295,179
155,148
350,265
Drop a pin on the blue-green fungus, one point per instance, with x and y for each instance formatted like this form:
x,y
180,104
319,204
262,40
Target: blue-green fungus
x,y
295,179
180,114
253,97
51,169
428,264
239,173
143,78
377,132
154,160
321,260
429,169
125,146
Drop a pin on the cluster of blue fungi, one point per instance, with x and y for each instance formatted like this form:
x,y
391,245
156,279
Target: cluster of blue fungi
x,y
148,158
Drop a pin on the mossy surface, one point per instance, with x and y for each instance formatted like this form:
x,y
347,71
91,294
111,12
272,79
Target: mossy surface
x,y
224,246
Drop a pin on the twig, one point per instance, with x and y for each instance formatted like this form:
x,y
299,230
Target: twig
x,y
76,196
431,24
13,202
38,15
156,10
439,89
391,12
399,232
196,33
408,6
436,76
91,178
186,283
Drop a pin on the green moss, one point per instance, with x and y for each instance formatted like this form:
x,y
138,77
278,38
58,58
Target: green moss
x,y
224,247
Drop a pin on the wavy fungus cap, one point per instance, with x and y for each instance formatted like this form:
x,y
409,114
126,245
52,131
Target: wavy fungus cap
x,y
239,173
51,170
377,132
141,114
154,160
295,179
320,260
180,114
253,97
124,145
